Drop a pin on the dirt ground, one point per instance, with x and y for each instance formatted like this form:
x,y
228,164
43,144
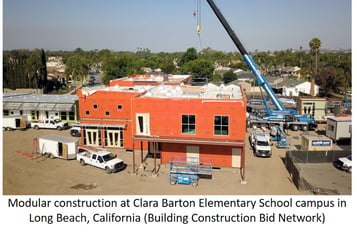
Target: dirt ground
x,y
23,175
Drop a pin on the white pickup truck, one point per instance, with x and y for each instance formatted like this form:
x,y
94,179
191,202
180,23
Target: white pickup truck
x,y
344,163
49,124
261,144
99,158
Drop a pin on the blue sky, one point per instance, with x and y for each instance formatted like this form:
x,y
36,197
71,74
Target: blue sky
x,y
169,25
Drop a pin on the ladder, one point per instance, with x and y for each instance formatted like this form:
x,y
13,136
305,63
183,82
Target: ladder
x,y
35,149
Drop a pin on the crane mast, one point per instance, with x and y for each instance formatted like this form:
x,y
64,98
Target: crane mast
x,y
261,80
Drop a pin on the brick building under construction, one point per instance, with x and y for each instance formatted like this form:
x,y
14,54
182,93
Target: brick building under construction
x,y
201,122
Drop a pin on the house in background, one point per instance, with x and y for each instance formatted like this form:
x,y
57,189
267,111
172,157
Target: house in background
x,y
295,87
248,81
287,72
221,70
56,67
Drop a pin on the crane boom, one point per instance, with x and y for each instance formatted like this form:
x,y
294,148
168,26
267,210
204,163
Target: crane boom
x,y
261,80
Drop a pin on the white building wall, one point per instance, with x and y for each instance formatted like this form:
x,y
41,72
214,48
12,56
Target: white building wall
x,y
303,87
290,91
43,115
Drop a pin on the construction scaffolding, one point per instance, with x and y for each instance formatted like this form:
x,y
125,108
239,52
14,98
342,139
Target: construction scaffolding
x,y
188,170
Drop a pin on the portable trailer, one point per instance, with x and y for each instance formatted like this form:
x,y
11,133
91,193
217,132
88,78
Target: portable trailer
x,y
315,143
57,146
14,122
339,128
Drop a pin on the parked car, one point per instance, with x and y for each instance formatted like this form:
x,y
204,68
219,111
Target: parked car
x,y
75,131
261,144
344,163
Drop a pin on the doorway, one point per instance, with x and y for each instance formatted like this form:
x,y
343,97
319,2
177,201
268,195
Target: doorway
x,y
92,137
114,138
63,150
193,154
236,157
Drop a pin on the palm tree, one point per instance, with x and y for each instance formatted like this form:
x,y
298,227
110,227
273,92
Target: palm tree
x,y
315,44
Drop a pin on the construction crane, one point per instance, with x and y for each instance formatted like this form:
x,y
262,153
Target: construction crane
x,y
280,115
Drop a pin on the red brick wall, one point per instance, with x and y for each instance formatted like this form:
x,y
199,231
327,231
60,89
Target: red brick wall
x,y
221,156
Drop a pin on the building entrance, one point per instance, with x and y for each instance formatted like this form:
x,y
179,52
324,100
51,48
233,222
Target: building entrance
x,y
113,138
92,137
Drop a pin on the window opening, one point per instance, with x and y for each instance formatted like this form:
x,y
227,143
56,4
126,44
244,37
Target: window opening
x,y
141,123
221,125
188,124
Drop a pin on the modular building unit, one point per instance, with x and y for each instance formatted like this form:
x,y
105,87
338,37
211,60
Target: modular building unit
x,y
339,128
58,146
105,115
205,122
315,106
315,143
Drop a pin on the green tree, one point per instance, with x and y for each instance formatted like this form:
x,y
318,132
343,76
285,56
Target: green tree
x,y
33,64
43,71
15,69
315,45
336,73
229,77
24,69
199,68
77,67
216,78
168,67
118,66
345,75
36,70
189,55
154,62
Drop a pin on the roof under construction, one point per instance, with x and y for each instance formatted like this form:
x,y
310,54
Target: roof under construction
x,y
152,77
209,91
